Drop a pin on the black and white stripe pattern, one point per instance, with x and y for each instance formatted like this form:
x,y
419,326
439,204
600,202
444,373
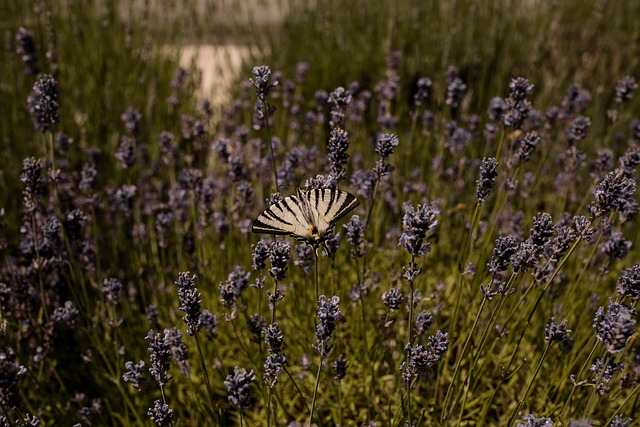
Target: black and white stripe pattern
x,y
307,216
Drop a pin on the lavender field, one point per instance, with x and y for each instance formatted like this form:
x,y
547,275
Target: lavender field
x,y
487,272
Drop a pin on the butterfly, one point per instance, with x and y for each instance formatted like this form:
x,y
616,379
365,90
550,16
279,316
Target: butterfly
x,y
308,217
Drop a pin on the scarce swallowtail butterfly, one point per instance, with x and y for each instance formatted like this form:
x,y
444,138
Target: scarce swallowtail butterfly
x,y
308,216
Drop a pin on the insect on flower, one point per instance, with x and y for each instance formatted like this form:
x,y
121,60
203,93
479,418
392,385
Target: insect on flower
x,y
307,217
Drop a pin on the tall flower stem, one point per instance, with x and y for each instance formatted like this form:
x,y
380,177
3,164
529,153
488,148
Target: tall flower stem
x,y
205,373
409,339
514,414
270,145
315,391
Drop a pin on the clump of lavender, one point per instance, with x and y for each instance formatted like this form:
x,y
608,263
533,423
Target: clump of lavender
x,y
239,387
112,290
355,236
279,255
577,129
159,355
625,88
231,289
423,91
131,119
517,106
614,326
339,100
605,368
134,374
179,350
276,361
629,282
337,147
488,174
554,332
418,222
26,48
189,297
209,323
340,368
619,421
613,193
329,314
260,81
530,420
393,299
43,103
385,144
34,183
161,414
424,320
456,88
504,249
10,373
526,145
422,358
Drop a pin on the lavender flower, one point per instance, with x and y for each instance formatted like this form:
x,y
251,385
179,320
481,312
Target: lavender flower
x,y
616,246
179,350
526,146
385,144
112,290
605,368
355,236
256,325
531,421
159,354
423,91
273,337
542,230
189,297
625,88
615,326
332,244
613,193
340,98
273,368
328,315
34,184
10,373
126,152
337,147
619,421
456,90
26,48
43,103
304,257
392,299
209,323
577,129
497,107
418,223
340,367
422,358
556,333
279,255
583,227
629,282
260,81
239,387
424,320
505,248
161,414
134,374
488,174
131,119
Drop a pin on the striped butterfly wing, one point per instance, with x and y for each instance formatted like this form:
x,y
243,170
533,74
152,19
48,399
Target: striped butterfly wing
x,y
284,217
332,205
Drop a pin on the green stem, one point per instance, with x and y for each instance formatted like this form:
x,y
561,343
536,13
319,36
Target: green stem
x,y
273,158
315,391
205,372
514,415
443,415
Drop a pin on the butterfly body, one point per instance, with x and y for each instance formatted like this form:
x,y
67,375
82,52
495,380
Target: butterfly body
x,y
308,216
